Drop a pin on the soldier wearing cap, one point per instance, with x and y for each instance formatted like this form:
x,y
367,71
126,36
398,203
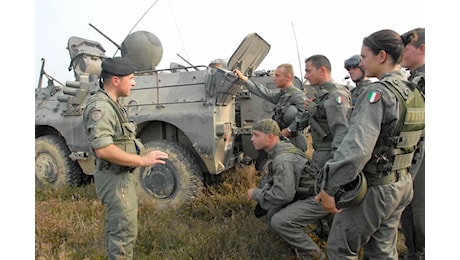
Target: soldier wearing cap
x,y
112,138
286,191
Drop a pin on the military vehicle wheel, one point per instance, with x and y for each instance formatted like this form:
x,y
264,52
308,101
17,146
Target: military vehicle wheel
x,y
53,165
174,184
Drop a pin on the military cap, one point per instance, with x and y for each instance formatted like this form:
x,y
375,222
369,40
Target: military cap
x,y
268,126
118,66
215,63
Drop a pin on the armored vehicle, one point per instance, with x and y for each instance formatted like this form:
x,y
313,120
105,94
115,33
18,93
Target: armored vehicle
x,y
190,112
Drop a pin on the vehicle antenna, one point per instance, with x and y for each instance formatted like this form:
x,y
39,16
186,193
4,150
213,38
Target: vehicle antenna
x,y
180,35
138,22
297,46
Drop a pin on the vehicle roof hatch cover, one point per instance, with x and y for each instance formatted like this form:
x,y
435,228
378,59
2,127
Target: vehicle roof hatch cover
x,y
248,56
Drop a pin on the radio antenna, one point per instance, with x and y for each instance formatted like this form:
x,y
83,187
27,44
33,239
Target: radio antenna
x,y
138,22
178,30
297,46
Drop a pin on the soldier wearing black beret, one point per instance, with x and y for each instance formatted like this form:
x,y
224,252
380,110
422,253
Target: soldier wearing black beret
x,y
116,66
112,138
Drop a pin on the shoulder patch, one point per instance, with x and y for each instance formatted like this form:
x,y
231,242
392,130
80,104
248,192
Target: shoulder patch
x,y
373,96
96,115
339,99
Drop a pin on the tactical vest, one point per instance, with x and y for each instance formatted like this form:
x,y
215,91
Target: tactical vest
x,y
127,141
281,107
320,131
306,187
394,151
419,79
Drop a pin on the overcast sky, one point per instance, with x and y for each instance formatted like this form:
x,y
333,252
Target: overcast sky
x,y
203,30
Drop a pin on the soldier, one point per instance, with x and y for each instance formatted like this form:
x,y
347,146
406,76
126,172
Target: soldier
x,y
112,138
413,217
384,130
327,114
286,192
288,102
357,75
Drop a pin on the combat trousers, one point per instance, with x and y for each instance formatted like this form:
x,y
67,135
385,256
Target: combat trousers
x,y
320,157
413,218
118,193
373,224
290,222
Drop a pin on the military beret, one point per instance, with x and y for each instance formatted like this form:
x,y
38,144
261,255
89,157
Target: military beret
x,y
268,126
118,66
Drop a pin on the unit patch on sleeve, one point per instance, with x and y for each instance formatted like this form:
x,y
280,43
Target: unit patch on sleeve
x,y
96,115
374,96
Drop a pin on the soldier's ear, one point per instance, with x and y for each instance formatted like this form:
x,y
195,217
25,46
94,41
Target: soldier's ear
x,y
322,69
116,80
421,49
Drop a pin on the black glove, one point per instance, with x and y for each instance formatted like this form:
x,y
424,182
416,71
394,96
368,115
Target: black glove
x,y
259,211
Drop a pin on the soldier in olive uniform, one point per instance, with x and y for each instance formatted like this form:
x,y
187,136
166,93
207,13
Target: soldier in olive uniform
x,y
112,138
357,75
413,217
385,127
288,102
286,191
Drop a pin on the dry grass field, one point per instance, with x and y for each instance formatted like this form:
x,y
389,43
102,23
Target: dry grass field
x,y
69,224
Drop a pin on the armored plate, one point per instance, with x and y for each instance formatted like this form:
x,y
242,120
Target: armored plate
x,y
249,54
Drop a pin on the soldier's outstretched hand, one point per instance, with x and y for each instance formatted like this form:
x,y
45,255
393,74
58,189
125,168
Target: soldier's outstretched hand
x,y
154,157
240,75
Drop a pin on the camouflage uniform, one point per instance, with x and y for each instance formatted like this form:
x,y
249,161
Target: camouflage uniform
x,y
413,217
371,146
106,122
282,100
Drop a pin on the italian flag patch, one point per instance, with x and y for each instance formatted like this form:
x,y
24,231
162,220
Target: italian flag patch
x,y
374,96
339,99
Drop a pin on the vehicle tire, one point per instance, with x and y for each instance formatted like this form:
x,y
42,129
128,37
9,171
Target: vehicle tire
x,y
172,185
53,165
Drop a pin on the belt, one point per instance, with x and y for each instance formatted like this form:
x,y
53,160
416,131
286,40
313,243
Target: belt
x,y
391,177
103,164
